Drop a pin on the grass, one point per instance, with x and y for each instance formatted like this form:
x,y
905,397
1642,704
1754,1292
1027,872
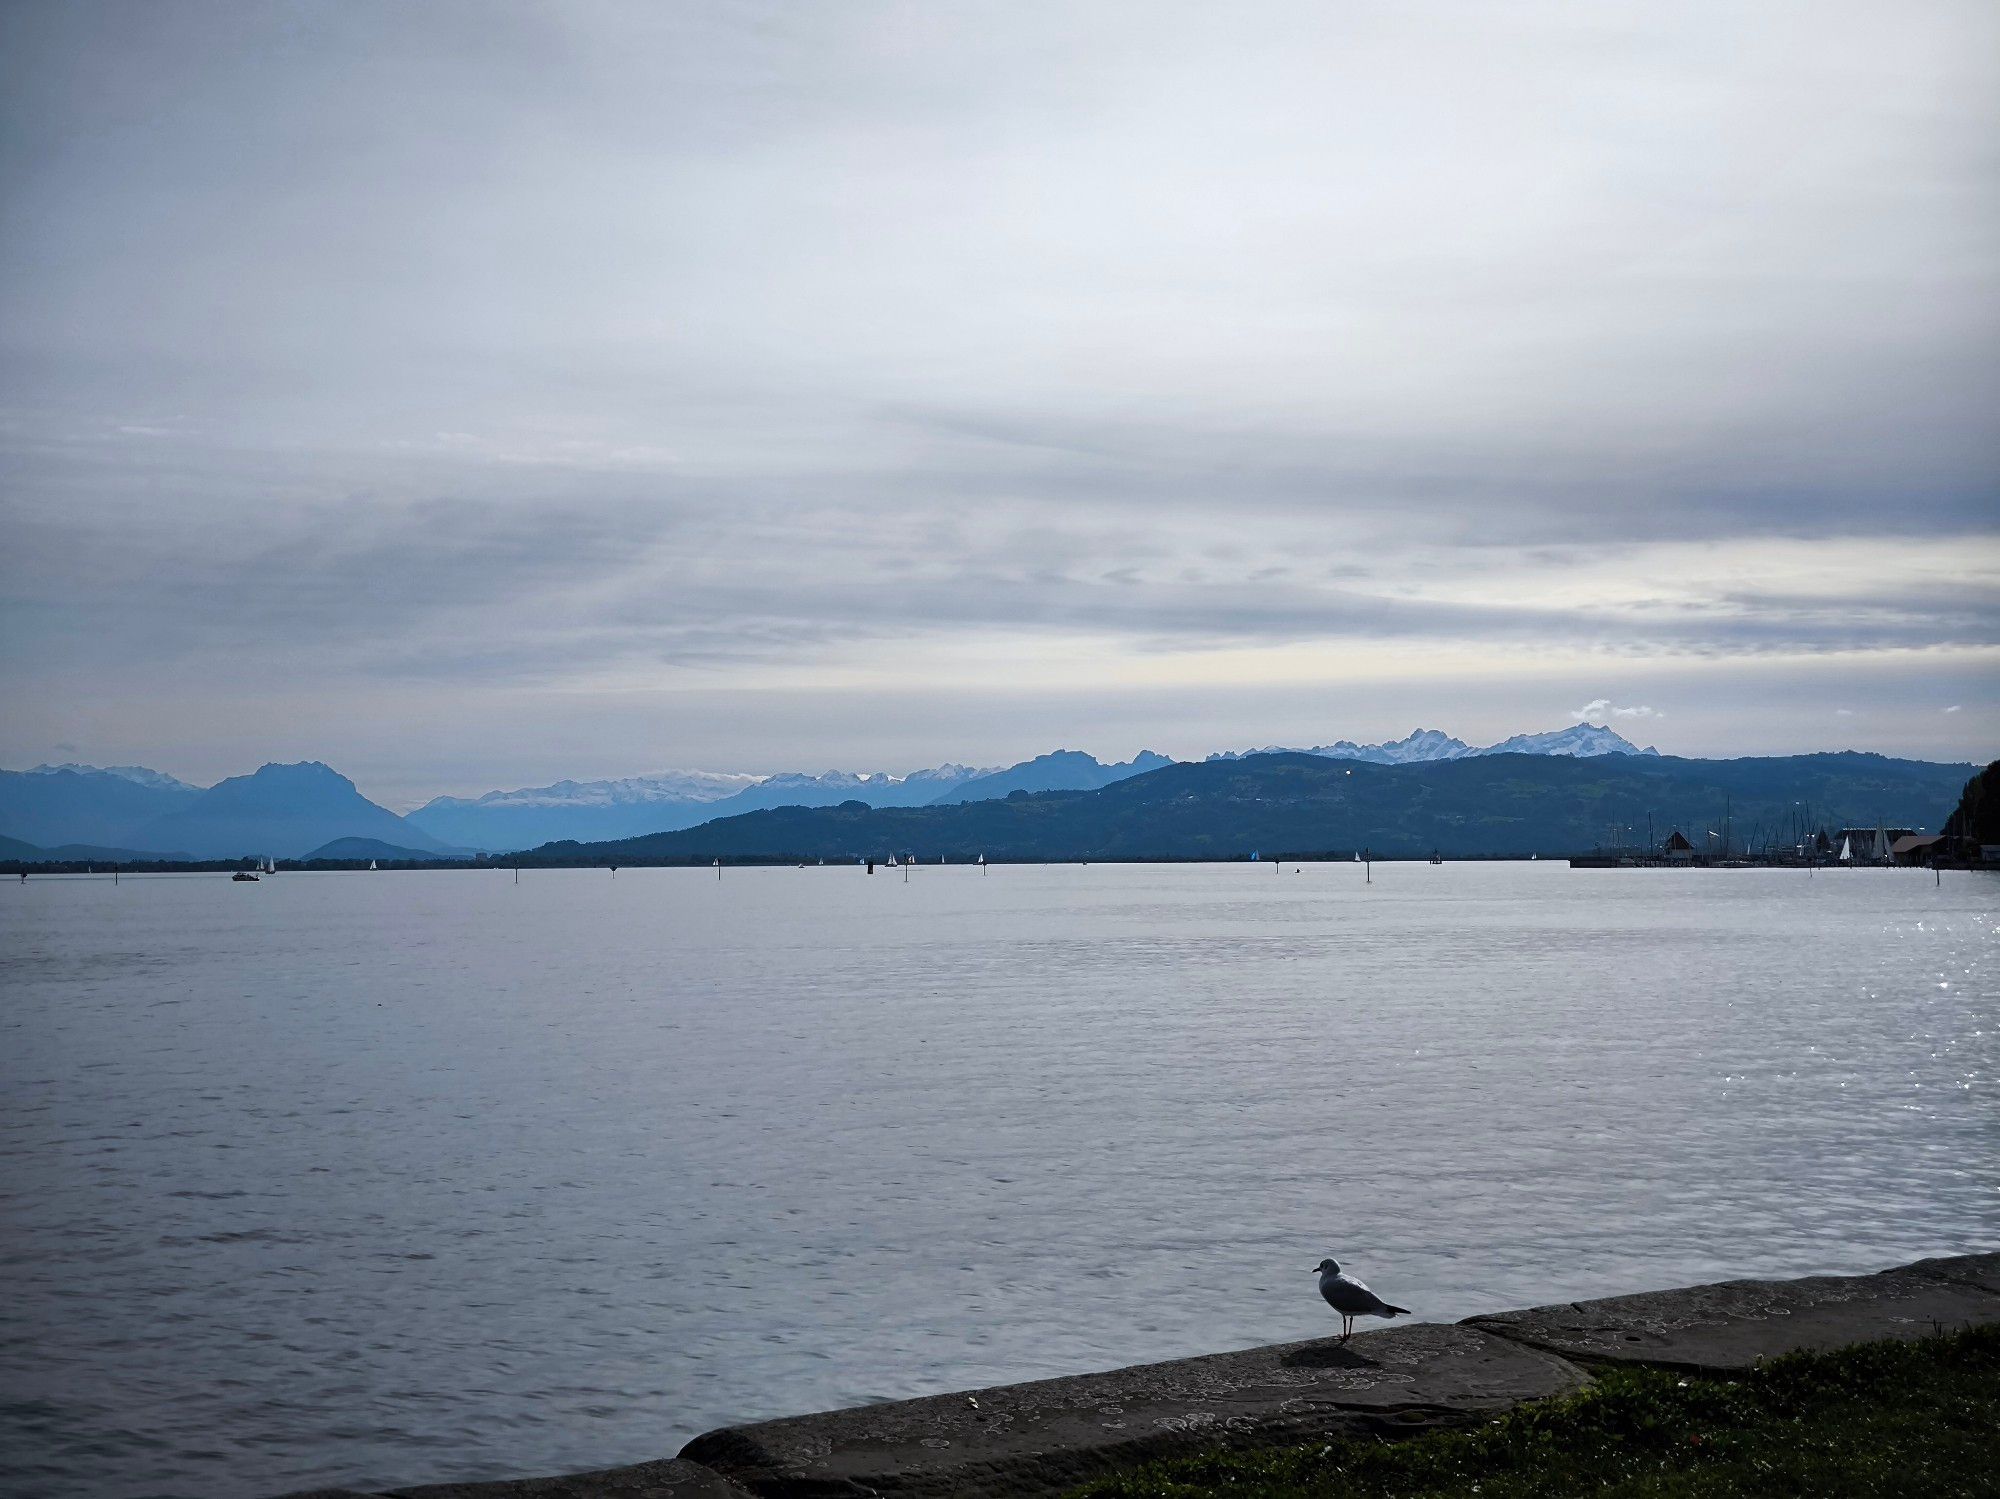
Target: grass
x,y
1882,1419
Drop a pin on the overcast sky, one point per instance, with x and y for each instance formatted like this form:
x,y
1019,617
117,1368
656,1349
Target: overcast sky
x,y
474,395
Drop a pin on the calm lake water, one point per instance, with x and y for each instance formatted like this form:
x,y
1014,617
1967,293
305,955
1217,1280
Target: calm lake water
x,y
397,1178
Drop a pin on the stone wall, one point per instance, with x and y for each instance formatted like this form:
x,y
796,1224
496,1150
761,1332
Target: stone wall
x,y
1043,1437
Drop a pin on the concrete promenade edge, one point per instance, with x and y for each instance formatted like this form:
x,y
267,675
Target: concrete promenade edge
x,y
1042,1437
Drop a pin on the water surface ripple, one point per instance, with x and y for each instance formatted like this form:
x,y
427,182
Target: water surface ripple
x,y
400,1178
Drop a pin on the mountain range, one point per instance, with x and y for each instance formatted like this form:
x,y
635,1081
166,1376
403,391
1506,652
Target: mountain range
x,y
1578,741
1059,770
292,811
1304,804
78,804
282,811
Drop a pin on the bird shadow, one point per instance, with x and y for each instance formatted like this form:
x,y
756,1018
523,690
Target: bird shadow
x,y
1327,1356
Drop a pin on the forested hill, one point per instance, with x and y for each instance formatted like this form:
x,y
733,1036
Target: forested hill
x,y
1301,804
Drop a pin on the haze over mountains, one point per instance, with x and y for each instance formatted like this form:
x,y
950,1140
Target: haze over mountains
x,y
588,811
296,811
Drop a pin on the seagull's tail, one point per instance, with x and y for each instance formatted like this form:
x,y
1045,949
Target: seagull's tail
x,y
1397,1311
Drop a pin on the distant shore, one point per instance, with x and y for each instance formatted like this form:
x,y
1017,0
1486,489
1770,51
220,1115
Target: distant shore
x,y
15,868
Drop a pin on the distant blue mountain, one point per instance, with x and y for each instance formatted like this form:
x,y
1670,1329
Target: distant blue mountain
x,y
283,811
1059,770
587,810
55,805
577,809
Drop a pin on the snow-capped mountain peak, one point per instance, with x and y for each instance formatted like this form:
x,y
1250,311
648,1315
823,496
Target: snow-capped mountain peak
x,y
1580,741
138,775
662,786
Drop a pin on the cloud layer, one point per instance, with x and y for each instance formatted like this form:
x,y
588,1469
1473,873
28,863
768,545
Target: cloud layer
x,y
455,359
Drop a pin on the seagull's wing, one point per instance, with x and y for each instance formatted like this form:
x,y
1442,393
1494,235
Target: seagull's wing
x,y
1349,1296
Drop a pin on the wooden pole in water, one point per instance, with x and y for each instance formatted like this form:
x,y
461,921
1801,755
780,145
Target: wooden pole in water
x,y
1368,866
718,868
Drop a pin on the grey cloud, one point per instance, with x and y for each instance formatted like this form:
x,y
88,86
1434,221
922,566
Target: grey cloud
x,y
480,345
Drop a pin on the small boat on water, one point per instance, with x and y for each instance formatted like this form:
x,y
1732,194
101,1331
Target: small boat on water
x,y
243,877
1436,857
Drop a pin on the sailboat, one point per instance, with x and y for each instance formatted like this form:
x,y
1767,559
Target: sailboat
x,y
891,864
270,865
1847,850
1357,856
371,863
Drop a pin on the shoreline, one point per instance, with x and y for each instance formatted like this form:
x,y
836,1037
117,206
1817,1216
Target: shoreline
x,y
105,869
1047,1436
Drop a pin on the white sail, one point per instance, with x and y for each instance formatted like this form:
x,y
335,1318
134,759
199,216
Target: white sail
x,y
1846,850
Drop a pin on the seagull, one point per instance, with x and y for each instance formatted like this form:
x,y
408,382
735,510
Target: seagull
x,y
1352,1299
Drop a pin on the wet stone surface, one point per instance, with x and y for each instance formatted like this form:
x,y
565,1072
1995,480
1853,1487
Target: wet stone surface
x,y
1982,1270
1733,1324
1042,1437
